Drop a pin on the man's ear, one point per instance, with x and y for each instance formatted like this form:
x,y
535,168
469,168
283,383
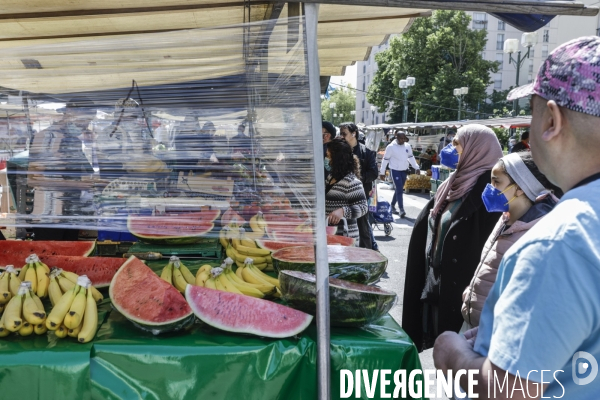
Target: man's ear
x,y
554,121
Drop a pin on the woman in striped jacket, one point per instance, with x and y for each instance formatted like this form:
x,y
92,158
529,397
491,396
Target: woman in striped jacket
x,y
344,193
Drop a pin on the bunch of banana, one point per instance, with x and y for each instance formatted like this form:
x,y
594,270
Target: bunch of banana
x,y
24,313
37,273
258,224
62,281
203,274
177,274
75,313
249,273
223,236
9,285
242,247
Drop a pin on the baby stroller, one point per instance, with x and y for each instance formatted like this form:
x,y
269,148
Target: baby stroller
x,y
383,215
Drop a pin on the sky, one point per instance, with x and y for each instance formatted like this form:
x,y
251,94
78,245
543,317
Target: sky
x,y
350,77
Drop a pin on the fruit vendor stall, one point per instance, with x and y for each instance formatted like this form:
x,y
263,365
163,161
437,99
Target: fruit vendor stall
x,y
188,138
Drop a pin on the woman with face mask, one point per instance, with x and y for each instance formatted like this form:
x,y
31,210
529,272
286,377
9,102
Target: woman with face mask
x,y
447,238
344,194
524,195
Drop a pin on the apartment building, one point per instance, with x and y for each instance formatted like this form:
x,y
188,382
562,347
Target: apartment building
x,y
365,72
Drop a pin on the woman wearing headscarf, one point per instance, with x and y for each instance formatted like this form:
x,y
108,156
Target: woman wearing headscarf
x,y
448,236
344,194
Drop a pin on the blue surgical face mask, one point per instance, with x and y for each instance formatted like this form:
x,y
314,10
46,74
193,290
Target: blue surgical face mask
x,y
449,156
327,165
495,200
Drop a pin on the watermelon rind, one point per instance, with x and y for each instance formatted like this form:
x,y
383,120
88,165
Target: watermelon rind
x,y
273,315
156,328
14,252
350,304
352,264
174,240
274,245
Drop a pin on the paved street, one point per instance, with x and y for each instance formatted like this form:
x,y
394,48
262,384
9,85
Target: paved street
x,y
395,248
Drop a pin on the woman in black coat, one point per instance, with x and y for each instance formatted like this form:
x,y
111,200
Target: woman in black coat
x,y
447,239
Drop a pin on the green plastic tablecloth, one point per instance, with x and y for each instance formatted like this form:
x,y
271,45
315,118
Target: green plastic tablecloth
x,y
123,362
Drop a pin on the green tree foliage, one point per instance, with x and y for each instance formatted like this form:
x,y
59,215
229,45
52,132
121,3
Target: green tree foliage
x,y
442,53
345,101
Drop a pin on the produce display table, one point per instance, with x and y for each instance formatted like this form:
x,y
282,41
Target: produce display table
x,y
125,363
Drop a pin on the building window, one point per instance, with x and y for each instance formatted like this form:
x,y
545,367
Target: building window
x,y
483,55
364,68
546,37
531,52
598,32
500,59
545,51
363,116
498,81
363,85
530,66
501,25
500,41
479,21
363,103
529,78
377,119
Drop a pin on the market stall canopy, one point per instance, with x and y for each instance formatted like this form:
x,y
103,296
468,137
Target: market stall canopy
x,y
518,122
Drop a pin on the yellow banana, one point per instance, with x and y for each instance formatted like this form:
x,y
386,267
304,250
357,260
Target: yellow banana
x,y
23,272
253,252
178,280
242,286
201,278
43,280
261,266
256,259
70,276
248,243
5,294
254,224
236,241
96,294
54,291
238,272
2,308
40,264
40,329
3,331
227,284
219,285
262,222
251,277
37,301
205,267
262,275
263,288
210,283
65,283
61,331
60,310
90,321
269,268
31,312
14,283
75,332
167,273
222,238
12,313
31,276
26,329
75,315
187,275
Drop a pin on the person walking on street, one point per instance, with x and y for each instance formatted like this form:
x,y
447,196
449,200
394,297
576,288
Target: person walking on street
x,y
542,313
368,173
398,155
523,145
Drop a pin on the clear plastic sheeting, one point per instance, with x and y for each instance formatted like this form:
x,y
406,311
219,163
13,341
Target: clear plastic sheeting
x,y
169,136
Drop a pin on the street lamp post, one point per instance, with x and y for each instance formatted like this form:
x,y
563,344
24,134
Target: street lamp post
x,y
332,108
353,113
459,93
528,39
373,109
334,117
341,118
405,85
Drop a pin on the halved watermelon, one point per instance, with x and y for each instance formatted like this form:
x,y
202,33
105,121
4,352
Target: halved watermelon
x,y
274,245
244,314
350,304
14,252
184,228
147,301
100,270
349,263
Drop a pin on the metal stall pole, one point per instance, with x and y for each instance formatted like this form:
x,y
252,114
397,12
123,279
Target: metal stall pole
x,y
311,11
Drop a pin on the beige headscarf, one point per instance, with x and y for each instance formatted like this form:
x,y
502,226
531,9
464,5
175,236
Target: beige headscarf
x,y
481,151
